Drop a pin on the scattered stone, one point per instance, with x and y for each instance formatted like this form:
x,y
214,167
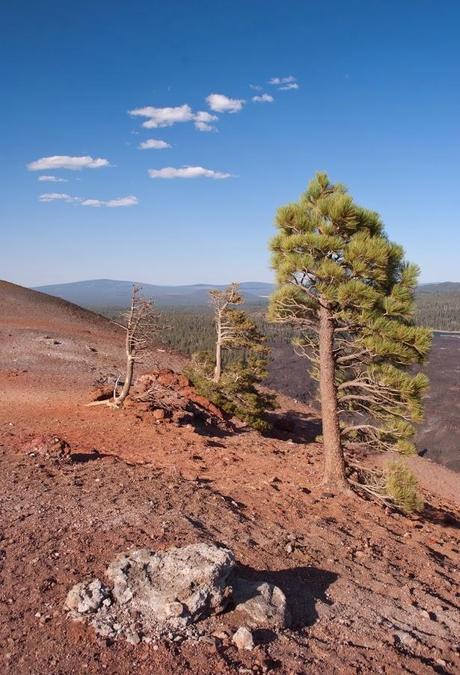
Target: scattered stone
x,y
243,639
174,394
429,615
405,638
263,604
51,447
87,598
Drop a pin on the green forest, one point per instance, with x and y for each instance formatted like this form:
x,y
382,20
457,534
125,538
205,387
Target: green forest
x,y
190,330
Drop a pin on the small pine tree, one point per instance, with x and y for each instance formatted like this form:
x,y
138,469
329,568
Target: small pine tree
x,y
350,293
234,386
401,487
227,329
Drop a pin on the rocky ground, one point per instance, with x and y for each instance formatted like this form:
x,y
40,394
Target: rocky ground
x,y
369,591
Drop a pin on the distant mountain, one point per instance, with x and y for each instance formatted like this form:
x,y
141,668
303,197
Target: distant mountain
x,y
441,287
110,293
113,294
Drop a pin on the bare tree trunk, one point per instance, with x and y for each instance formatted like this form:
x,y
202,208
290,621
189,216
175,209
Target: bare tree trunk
x,y
129,370
334,464
218,367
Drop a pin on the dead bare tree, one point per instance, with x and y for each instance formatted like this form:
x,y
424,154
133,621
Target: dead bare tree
x,y
225,330
141,323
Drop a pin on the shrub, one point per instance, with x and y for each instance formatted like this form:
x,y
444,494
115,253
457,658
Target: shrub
x,y
401,487
236,392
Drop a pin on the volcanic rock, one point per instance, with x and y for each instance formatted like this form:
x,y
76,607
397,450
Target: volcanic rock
x,y
155,594
263,604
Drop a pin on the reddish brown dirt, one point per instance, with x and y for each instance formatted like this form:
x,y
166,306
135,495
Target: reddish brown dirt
x,y
370,591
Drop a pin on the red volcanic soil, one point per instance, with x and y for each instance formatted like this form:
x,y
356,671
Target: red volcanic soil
x,y
370,591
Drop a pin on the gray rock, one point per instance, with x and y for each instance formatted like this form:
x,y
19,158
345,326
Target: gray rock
x,y
263,604
174,587
87,598
155,594
405,638
243,639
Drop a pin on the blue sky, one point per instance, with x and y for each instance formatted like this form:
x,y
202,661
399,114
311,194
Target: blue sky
x,y
375,103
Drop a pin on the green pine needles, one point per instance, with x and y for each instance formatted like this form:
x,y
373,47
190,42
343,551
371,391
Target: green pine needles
x,y
350,292
231,376
401,487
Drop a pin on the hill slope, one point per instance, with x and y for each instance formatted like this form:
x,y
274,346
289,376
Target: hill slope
x,y
364,587
24,307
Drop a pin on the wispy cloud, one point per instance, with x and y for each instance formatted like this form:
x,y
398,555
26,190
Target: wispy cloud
x,y
111,203
52,179
67,162
163,117
57,197
287,87
255,87
203,121
154,144
263,98
221,103
282,80
187,172
69,199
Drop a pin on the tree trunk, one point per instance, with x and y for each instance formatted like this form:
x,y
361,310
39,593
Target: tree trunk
x,y
218,368
334,464
129,370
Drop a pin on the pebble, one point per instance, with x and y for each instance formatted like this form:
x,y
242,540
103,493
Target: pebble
x,y
405,638
243,639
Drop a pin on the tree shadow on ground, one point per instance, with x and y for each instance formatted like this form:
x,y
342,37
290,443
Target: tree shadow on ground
x,y
303,587
294,426
440,516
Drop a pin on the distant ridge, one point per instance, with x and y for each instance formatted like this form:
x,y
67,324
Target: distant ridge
x,y
100,294
112,293
440,287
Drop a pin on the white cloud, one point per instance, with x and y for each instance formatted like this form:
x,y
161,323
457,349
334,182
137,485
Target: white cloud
x,y
256,87
163,117
263,98
222,103
52,179
154,144
67,162
111,203
203,119
166,117
187,172
57,196
287,87
282,80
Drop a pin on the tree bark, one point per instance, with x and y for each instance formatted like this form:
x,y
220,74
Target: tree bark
x,y
129,370
218,367
334,464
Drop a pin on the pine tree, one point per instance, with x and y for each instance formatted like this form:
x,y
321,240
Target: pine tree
x,y
350,293
234,385
227,331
